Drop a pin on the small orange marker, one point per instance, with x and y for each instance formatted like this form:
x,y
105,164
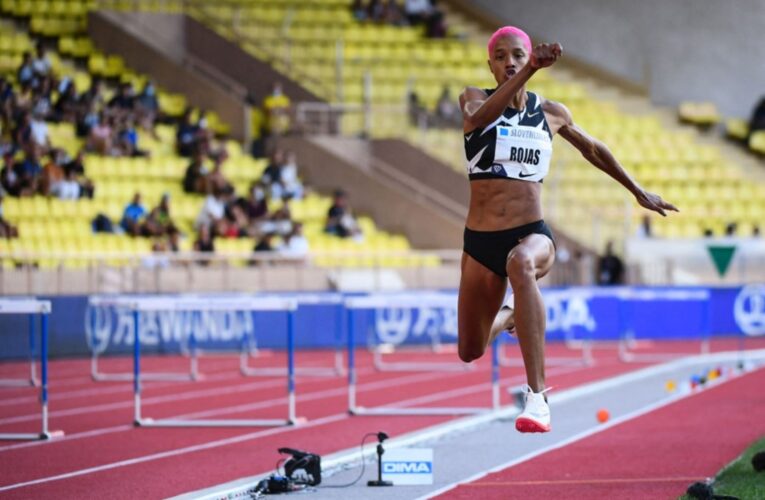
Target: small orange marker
x,y
603,416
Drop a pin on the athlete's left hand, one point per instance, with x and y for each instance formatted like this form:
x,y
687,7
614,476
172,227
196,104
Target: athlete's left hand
x,y
654,202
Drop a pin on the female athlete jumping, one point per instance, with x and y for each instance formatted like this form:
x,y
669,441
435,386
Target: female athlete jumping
x,y
508,145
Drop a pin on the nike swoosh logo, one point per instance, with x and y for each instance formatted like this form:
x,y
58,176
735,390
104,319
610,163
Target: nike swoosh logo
x,y
523,176
530,115
467,137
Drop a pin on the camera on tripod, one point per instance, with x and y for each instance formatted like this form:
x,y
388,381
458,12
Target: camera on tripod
x,y
302,467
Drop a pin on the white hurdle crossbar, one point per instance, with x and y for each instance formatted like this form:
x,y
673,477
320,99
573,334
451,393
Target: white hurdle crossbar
x,y
627,341
42,308
137,306
104,302
375,301
338,370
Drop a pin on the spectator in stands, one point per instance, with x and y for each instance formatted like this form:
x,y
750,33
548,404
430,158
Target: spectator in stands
x,y
448,114
131,217
7,230
418,116
93,98
392,13
257,127
265,244
68,188
7,99
277,109
755,231
731,228
216,179
26,73
53,173
22,134
77,167
100,135
127,139
159,222
375,11
256,205
41,101
29,172
272,175
185,135
39,131
41,65
291,186
644,229
340,220
87,118
66,106
296,244
435,24
212,212
235,224
610,267
123,102
204,243
417,11
358,10
195,179
9,180
147,108
757,122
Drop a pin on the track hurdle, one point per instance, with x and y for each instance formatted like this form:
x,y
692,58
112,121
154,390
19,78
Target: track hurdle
x,y
355,304
250,304
32,379
33,308
582,345
628,297
250,350
102,307
379,351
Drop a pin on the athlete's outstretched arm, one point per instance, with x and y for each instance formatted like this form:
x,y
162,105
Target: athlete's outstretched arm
x,y
599,155
479,111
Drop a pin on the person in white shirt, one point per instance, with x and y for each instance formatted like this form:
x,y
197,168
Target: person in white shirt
x,y
213,210
68,188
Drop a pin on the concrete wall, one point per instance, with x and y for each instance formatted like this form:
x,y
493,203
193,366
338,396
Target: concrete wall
x,y
678,49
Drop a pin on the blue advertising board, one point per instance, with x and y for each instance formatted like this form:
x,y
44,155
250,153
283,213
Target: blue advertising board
x,y
598,313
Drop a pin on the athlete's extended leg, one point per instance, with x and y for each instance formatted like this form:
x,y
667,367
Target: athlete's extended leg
x,y
480,297
531,259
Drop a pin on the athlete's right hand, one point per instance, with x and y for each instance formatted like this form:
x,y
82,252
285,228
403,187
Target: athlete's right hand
x,y
545,54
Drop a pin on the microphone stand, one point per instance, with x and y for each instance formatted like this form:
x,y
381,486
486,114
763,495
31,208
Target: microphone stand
x,y
379,481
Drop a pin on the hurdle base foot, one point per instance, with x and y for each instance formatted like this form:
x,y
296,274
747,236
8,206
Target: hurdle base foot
x,y
51,435
143,421
297,421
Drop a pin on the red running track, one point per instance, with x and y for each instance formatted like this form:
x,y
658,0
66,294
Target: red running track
x,y
103,455
657,455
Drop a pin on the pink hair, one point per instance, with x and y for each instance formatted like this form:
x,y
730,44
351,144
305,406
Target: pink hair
x,y
507,31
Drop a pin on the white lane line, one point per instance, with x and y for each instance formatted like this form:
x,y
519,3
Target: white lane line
x,y
310,396
382,384
176,452
584,434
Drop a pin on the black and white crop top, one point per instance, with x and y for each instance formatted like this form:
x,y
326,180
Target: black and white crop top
x,y
518,145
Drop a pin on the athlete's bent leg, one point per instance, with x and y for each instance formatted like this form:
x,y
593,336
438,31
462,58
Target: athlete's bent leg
x,y
480,297
531,259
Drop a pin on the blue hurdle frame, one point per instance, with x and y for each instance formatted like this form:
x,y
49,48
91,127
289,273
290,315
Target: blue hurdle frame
x,y
267,304
34,308
359,303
